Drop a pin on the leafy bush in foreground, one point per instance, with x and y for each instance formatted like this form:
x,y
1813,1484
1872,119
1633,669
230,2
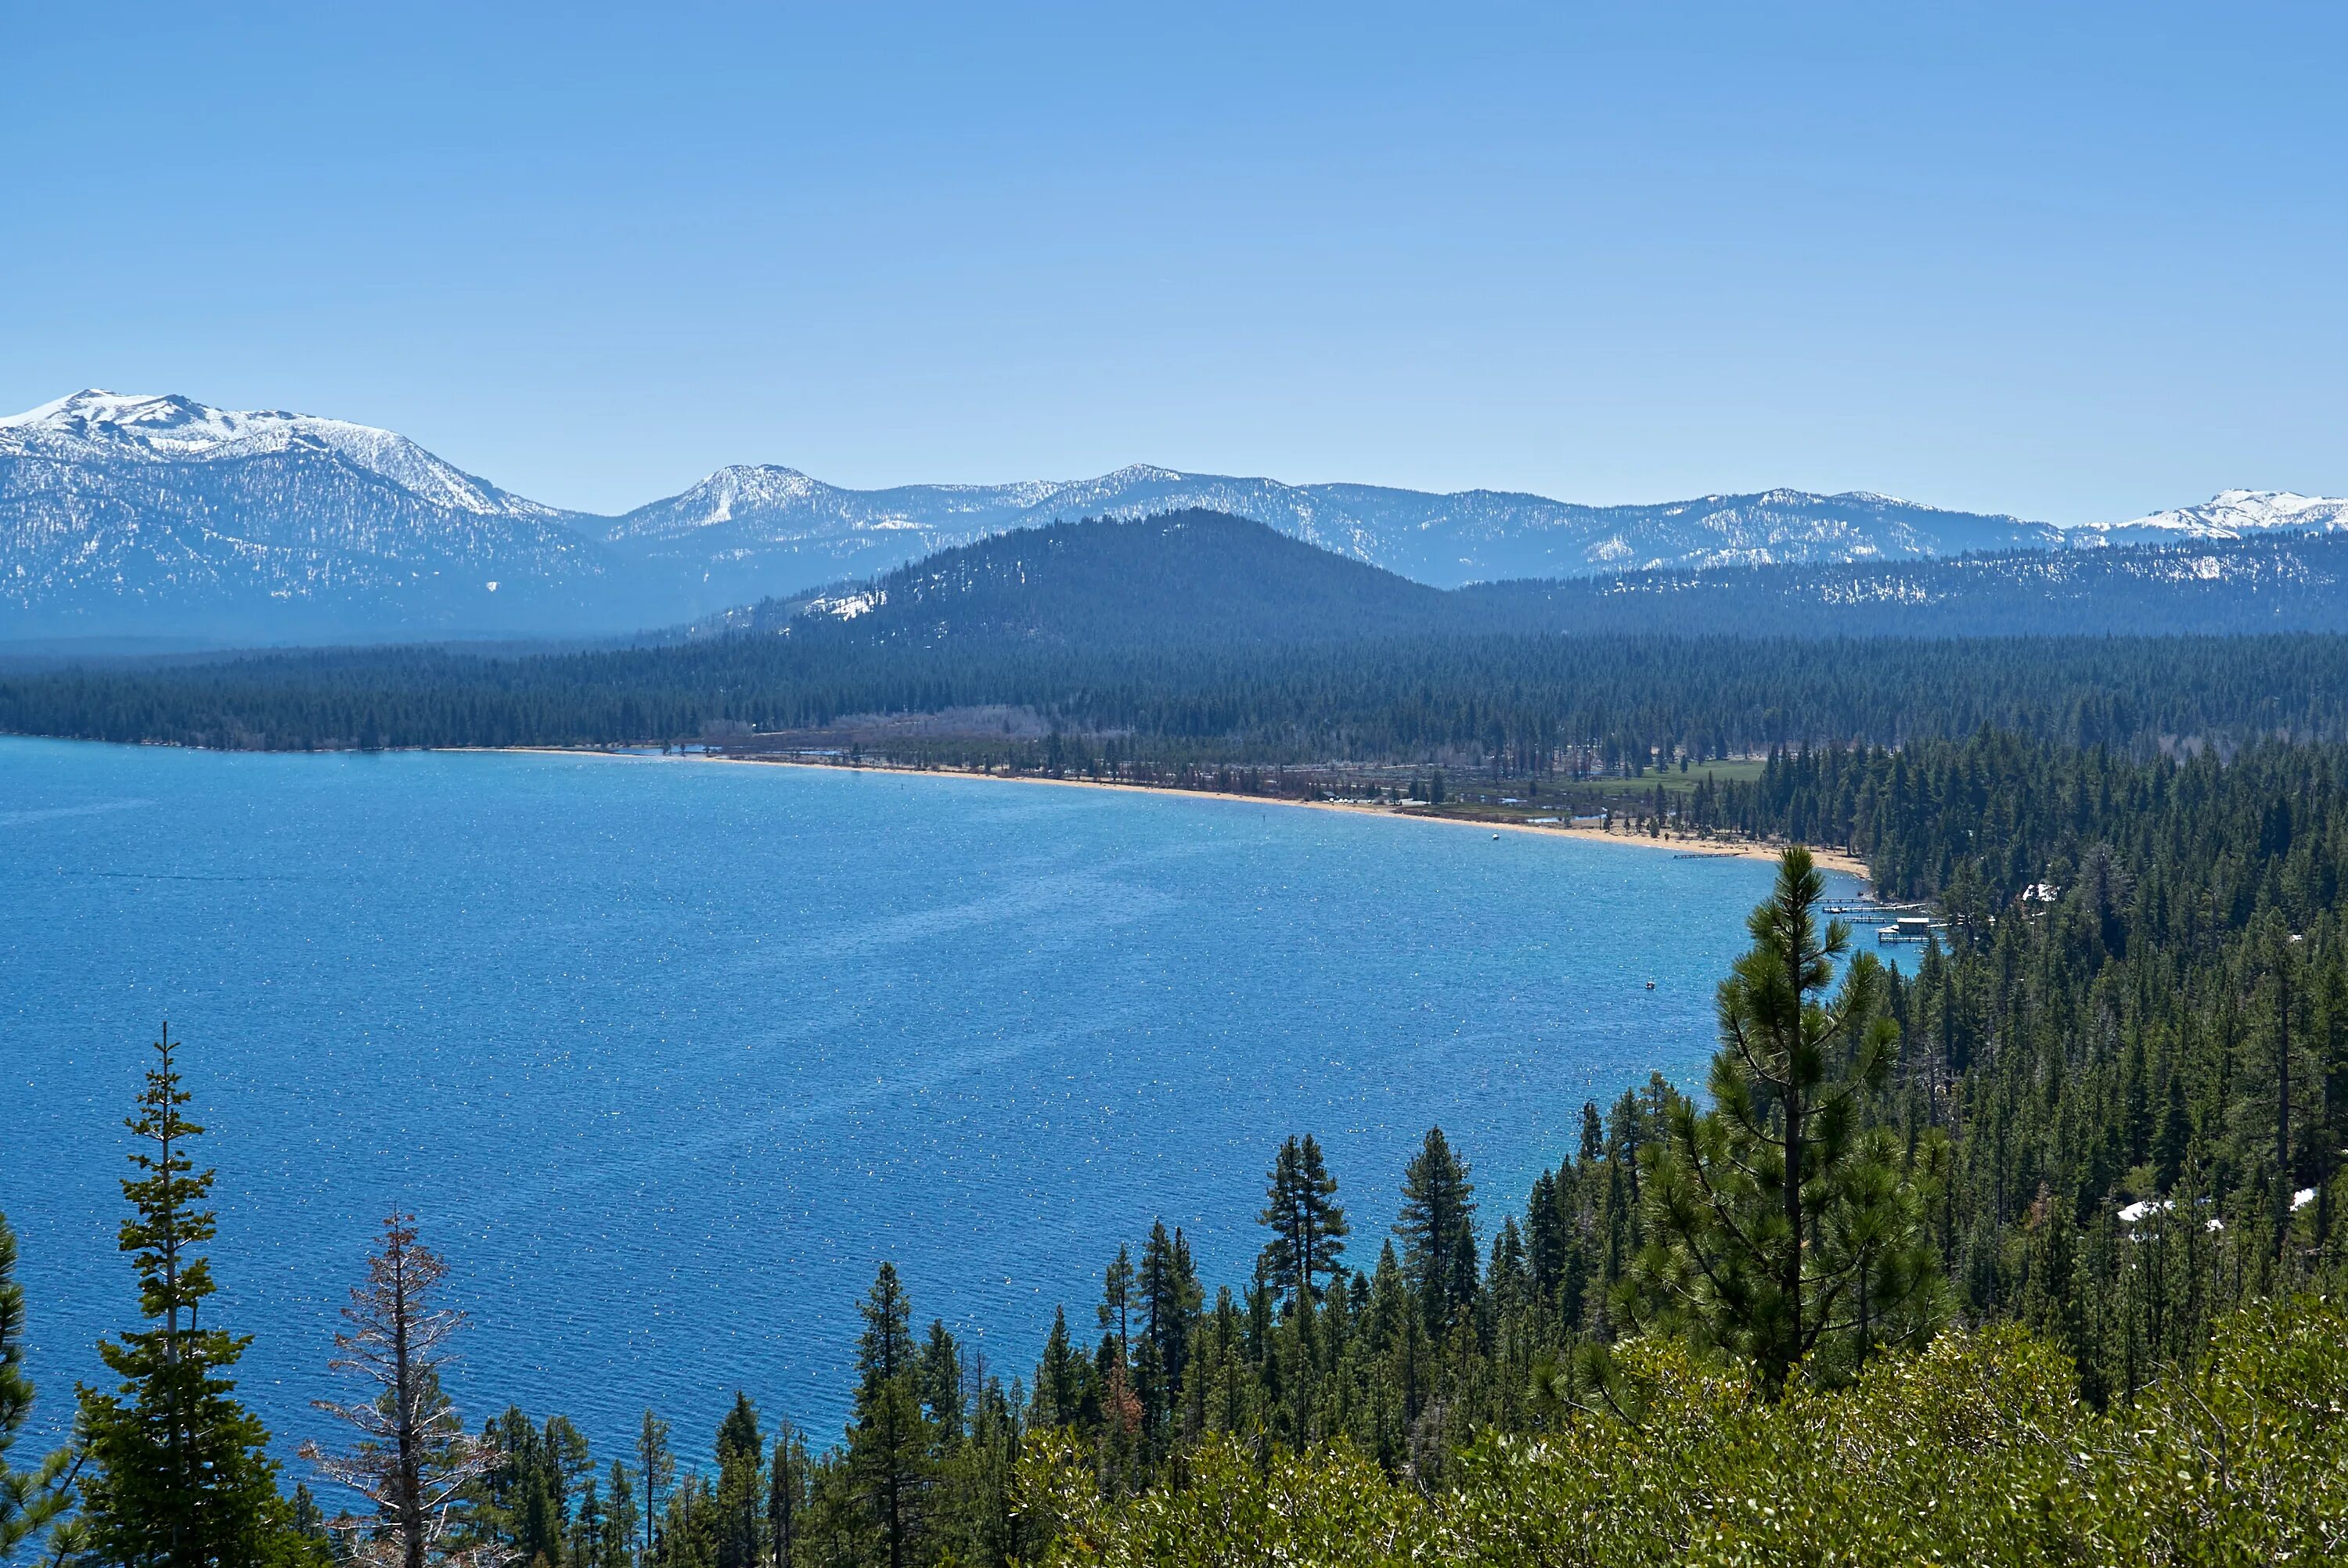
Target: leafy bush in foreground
x,y
1975,1451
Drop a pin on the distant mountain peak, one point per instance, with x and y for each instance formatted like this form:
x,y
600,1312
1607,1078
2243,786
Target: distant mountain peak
x,y
735,491
739,482
94,425
2232,515
165,421
741,472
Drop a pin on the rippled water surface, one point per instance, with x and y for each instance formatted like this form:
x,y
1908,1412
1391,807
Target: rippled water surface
x,y
667,1055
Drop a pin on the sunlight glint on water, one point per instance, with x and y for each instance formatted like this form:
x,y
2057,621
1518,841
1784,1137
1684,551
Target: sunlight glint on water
x,y
668,1055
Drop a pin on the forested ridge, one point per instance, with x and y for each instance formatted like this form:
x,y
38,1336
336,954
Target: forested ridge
x,y
1460,698
1200,637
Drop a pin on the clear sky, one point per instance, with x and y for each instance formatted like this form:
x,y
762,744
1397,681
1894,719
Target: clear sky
x,y
2073,261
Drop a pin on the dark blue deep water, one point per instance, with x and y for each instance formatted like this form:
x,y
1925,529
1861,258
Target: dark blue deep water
x,y
667,1055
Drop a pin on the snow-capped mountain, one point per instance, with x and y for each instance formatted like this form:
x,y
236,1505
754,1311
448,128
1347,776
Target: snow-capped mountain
x,y
751,531
777,531
2229,515
1487,535
92,425
160,517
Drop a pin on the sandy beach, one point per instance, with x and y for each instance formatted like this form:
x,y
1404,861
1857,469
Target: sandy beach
x,y
1742,849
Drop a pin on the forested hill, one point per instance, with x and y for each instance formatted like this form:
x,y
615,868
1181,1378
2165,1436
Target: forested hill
x,y
1186,578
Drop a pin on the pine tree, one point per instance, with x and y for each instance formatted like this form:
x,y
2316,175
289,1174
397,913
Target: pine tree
x,y
938,1374
787,1495
888,1438
2175,1132
615,1545
1170,1298
740,1501
584,1545
687,1538
980,1519
30,1499
1321,1229
1438,1227
1778,1221
656,1468
177,1472
1056,1390
1117,1297
414,1460
1308,1227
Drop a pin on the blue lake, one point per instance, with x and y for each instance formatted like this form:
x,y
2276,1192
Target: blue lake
x,y
667,1055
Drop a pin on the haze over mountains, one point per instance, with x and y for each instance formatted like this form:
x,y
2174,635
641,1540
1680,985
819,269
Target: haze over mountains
x,y
1202,579
137,516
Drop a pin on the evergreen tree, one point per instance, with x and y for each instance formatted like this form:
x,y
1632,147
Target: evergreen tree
x,y
523,1502
1778,1221
615,1545
584,1547
1170,1298
2176,1133
688,1535
1116,1308
1438,1227
939,1374
787,1495
741,1497
888,1438
30,1499
979,1518
177,1472
656,1469
1308,1225
1057,1385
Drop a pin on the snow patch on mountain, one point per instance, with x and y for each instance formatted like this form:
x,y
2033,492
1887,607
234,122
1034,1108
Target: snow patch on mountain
x,y
96,426
2229,515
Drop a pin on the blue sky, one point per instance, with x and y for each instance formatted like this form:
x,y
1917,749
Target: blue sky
x,y
2070,262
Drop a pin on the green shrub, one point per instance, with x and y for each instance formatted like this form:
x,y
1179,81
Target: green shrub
x,y
1974,1451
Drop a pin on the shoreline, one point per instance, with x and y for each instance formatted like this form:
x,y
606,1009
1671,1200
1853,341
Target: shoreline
x,y
1689,848
1827,859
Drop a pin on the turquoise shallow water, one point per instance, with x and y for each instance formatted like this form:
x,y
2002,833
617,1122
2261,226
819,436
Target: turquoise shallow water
x,y
667,1055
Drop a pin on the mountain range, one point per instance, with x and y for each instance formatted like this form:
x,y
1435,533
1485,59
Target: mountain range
x,y
159,517
1199,579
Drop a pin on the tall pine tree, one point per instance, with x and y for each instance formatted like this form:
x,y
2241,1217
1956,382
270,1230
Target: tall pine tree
x,y
177,1473
1438,1227
1781,1224
889,1456
1307,1223
741,1486
656,1469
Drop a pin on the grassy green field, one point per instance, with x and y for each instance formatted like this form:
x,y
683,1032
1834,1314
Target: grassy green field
x,y
1676,781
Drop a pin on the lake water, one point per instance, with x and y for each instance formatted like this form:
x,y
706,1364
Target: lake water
x,y
667,1055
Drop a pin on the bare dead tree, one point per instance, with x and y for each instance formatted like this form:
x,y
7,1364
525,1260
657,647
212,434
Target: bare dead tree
x,y
414,1457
